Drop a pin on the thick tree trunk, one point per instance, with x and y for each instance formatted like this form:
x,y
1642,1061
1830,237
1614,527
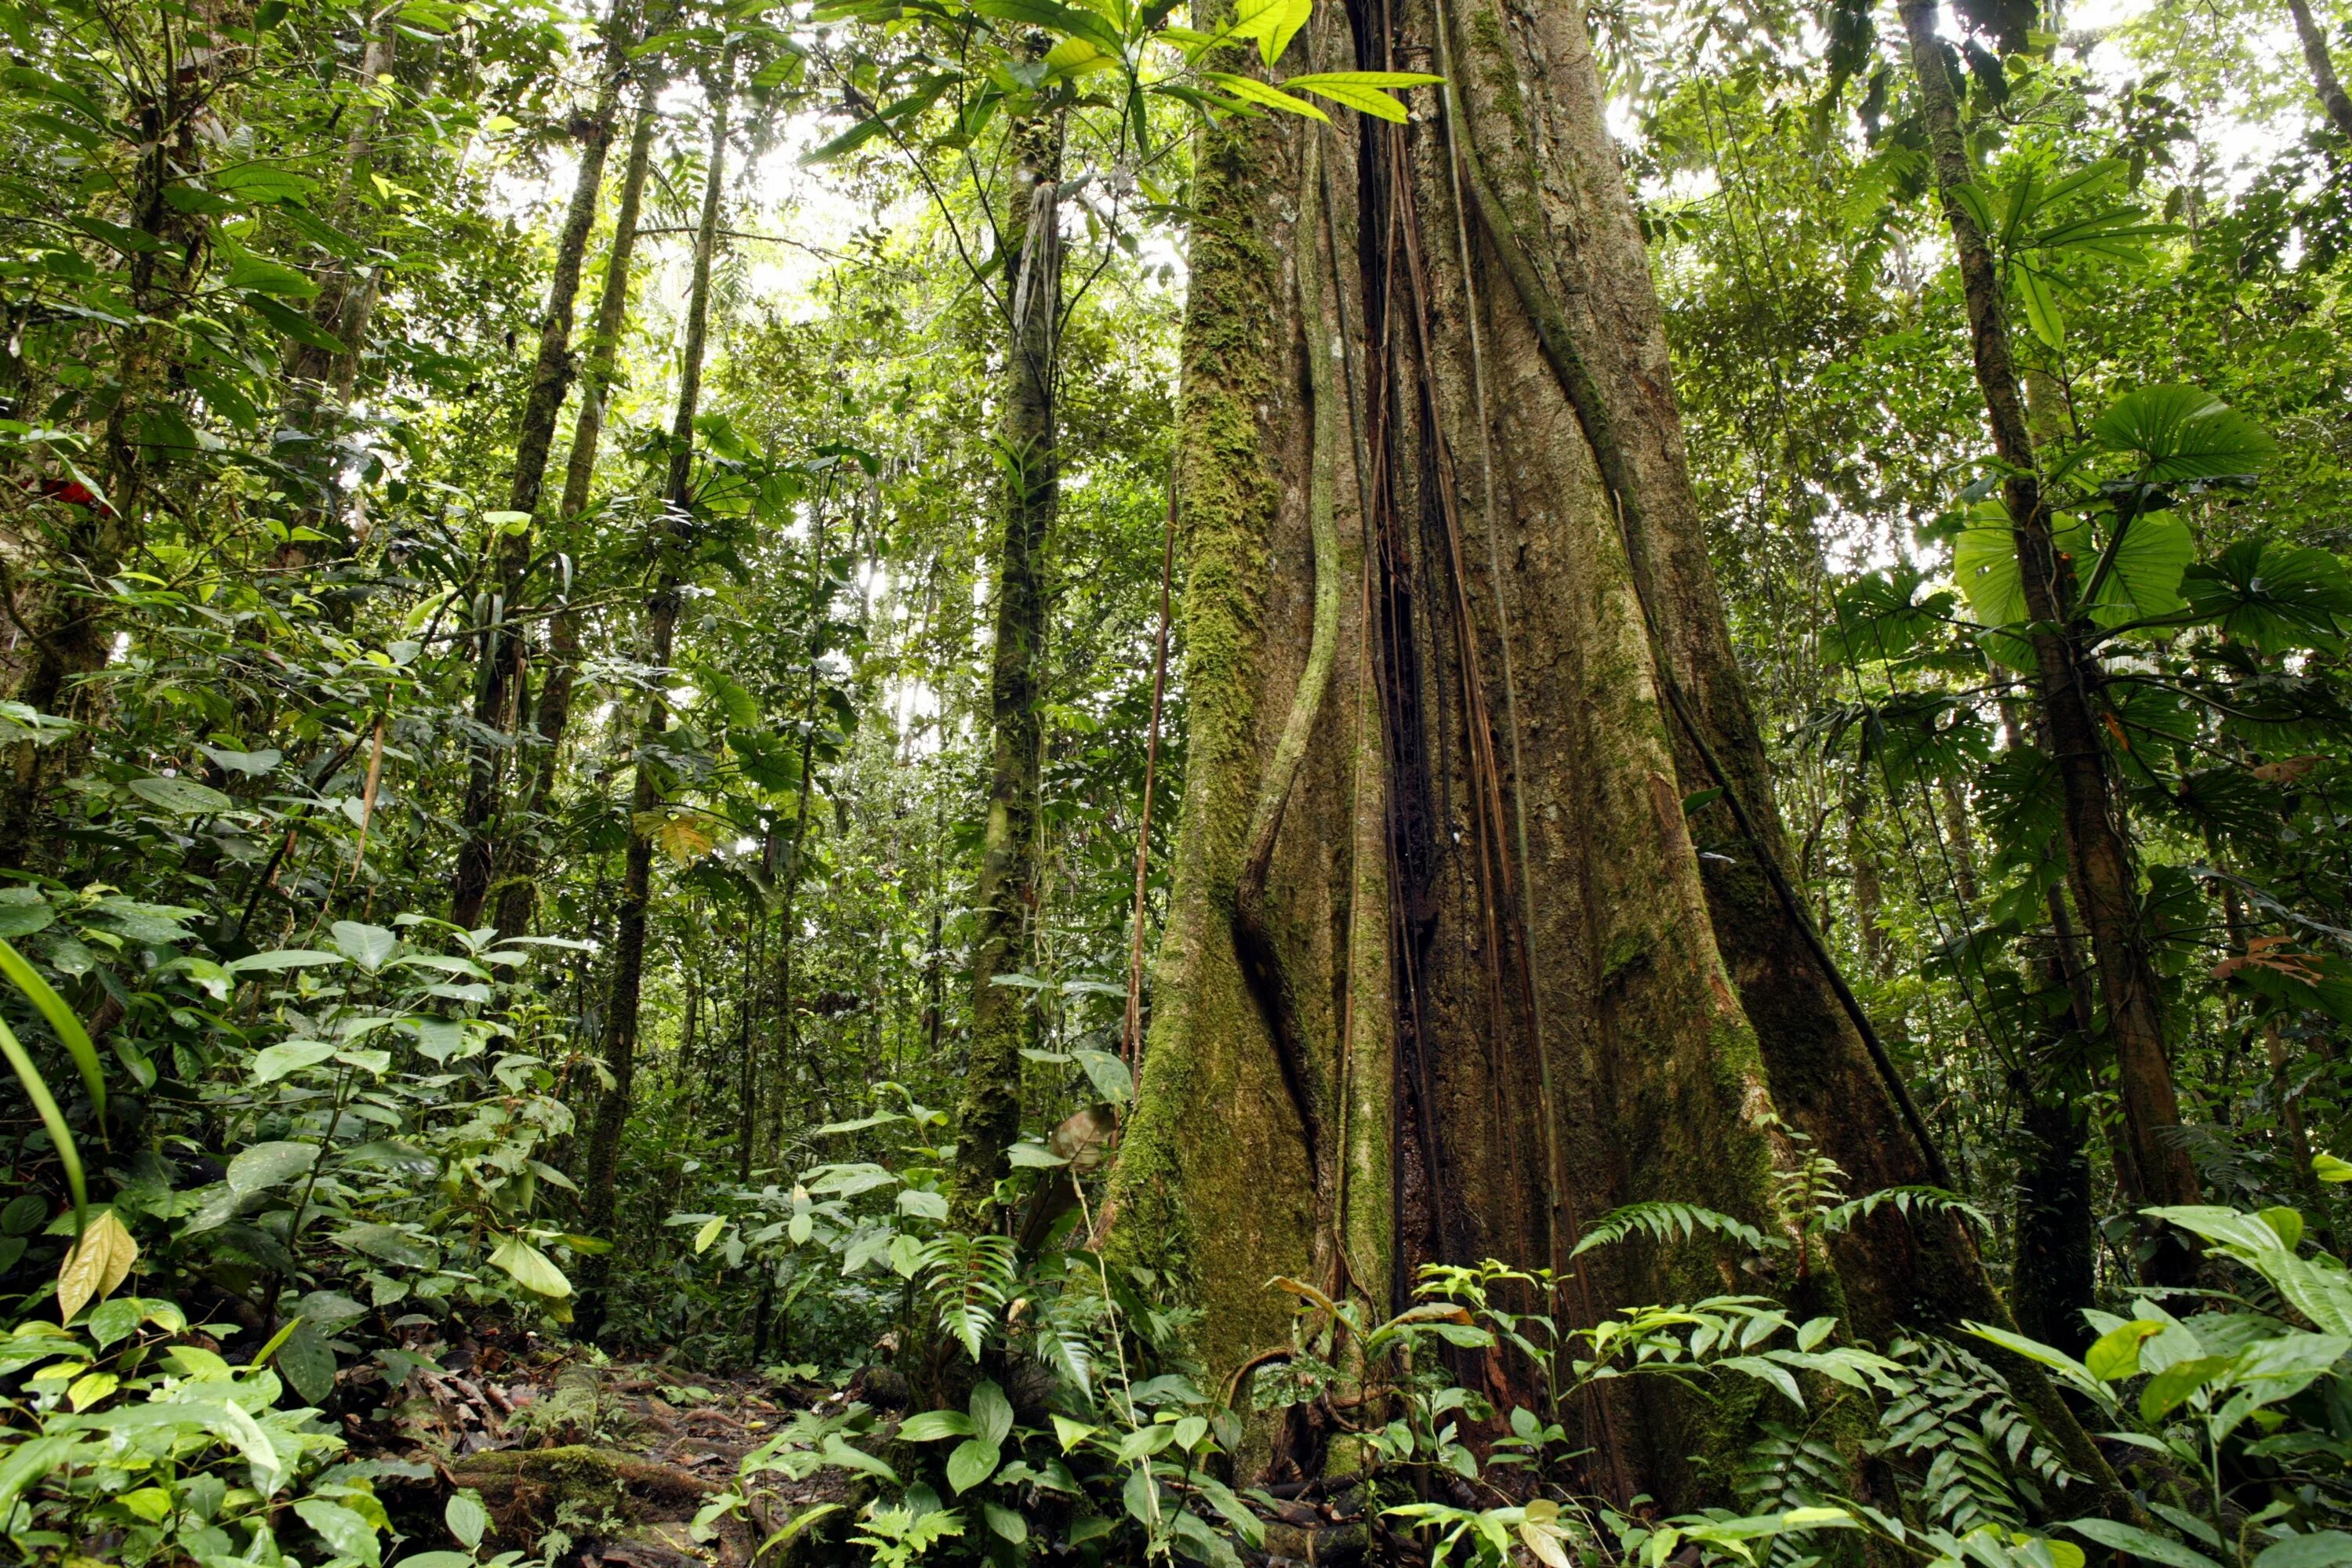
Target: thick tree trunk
x,y
517,890
1491,1000
499,673
598,1188
2098,861
1482,1001
1003,1016
2322,65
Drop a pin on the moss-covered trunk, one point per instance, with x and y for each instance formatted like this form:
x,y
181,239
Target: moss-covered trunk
x,y
1513,1001
1002,1022
1506,1007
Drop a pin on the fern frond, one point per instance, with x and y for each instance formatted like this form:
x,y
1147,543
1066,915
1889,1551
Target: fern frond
x,y
972,1277
1986,1463
1907,1201
1664,1222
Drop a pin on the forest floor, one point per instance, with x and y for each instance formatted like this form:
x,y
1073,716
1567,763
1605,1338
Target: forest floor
x,y
580,1462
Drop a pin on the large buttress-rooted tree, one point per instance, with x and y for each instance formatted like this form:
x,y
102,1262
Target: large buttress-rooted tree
x,y
1442,976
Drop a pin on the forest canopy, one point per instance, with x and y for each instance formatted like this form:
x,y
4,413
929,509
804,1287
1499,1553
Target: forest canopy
x,y
1098,781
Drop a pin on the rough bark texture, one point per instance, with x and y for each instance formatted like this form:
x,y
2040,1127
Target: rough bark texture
x,y
2098,858
518,887
1416,968
1517,1001
499,683
1003,1018
646,793
2322,65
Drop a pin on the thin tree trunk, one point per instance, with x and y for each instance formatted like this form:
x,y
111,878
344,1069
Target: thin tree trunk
x,y
599,1190
320,379
1868,895
67,619
796,855
519,889
1003,1016
2099,865
2315,56
498,674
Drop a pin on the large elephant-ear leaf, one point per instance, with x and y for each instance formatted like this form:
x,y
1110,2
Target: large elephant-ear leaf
x,y
2184,433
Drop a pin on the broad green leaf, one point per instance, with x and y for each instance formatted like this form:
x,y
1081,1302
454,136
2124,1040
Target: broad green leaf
x,y
23,912
531,1268
305,1362
2183,433
1984,562
973,1461
467,1518
2140,1544
370,947
263,276
2144,581
923,1205
838,1451
2057,1361
261,1167
930,1426
2273,596
274,1062
2168,1389
2319,1549
183,795
1005,1524
2041,310
2115,1355
252,764
991,1413
709,1231
1273,23
282,958
389,1243
342,1529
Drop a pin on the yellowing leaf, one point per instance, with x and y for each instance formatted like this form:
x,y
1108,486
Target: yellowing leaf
x,y
709,1231
87,1391
1366,91
99,1262
1251,91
